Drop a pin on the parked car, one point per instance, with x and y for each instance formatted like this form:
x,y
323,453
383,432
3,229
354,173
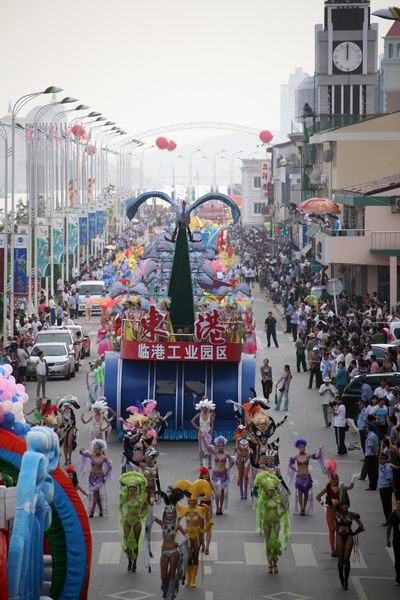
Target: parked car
x,y
92,287
85,352
352,391
394,332
61,335
380,349
60,360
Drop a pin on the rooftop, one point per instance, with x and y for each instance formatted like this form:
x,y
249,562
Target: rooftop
x,y
377,186
394,31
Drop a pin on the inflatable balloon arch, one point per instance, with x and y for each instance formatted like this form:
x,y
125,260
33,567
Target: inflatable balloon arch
x,y
57,522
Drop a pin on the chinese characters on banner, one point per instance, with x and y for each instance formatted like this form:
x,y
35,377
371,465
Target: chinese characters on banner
x,y
207,328
182,351
265,178
151,324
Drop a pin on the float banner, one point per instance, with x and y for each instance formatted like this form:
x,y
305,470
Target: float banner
x,y
83,231
57,241
181,351
20,257
2,254
100,221
42,250
72,233
92,225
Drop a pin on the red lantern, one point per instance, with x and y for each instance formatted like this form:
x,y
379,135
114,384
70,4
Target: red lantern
x,y
266,136
162,143
76,130
171,146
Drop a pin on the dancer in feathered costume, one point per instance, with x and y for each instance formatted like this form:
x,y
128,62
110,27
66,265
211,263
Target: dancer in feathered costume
x,y
222,472
203,421
100,471
195,517
272,517
299,474
331,493
204,473
133,509
173,556
67,430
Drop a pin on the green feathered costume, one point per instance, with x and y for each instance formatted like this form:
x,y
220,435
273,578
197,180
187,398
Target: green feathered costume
x,y
132,510
271,511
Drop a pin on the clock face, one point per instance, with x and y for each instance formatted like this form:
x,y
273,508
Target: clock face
x,y
347,56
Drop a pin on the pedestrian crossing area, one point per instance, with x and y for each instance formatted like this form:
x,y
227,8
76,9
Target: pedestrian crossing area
x,y
304,555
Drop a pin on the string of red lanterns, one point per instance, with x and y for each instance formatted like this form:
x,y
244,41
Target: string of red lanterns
x,y
266,136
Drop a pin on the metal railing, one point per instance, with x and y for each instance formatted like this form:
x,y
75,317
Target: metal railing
x,y
346,232
385,240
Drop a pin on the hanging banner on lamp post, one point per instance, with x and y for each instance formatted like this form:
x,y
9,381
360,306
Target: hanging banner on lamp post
x,y
100,221
57,241
72,233
42,251
83,231
92,225
20,258
3,246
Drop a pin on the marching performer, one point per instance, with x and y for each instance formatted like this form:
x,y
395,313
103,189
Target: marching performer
x,y
100,471
203,421
298,472
272,517
133,509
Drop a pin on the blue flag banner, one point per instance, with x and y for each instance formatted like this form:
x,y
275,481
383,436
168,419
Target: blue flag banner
x,y
83,231
92,225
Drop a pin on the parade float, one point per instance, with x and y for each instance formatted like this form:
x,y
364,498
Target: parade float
x,y
45,539
184,322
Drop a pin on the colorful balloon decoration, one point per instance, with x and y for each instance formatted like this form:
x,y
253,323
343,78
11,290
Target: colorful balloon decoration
x,y
266,136
171,146
12,399
162,143
79,131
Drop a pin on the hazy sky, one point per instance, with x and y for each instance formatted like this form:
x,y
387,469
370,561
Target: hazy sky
x,y
145,63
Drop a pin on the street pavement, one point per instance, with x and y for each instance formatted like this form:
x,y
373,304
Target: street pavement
x,y
236,567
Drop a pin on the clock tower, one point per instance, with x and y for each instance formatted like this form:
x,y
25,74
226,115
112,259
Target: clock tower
x,y
346,72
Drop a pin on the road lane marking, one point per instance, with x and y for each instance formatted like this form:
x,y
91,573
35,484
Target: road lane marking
x,y
213,555
390,551
208,595
207,570
110,553
303,555
228,562
254,553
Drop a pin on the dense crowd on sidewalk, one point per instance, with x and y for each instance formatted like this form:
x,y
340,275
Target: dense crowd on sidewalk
x,y
334,349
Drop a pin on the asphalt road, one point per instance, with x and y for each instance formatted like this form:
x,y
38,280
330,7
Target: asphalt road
x,y
236,567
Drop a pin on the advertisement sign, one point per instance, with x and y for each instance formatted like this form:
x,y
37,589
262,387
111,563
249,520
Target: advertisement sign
x,y
92,225
72,234
20,257
42,250
58,241
100,221
83,231
182,351
2,254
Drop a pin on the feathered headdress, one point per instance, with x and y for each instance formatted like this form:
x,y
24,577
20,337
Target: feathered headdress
x,y
100,405
300,442
330,466
98,444
200,487
205,403
68,400
267,481
132,478
220,441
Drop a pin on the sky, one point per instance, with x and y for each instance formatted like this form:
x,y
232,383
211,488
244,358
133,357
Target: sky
x,y
148,63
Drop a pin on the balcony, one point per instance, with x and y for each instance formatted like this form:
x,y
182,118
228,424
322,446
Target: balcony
x,y
356,246
385,242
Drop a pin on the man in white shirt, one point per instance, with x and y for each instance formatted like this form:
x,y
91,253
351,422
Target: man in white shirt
x,y
41,375
339,423
381,391
327,393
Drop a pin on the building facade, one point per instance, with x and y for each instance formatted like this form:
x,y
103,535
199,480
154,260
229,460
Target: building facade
x,y
390,70
288,114
256,182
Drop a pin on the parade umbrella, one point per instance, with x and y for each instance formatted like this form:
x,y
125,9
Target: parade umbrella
x,y
319,206
392,13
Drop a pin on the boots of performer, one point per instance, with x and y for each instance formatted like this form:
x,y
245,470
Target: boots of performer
x,y
246,485
164,587
188,575
193,579
346,574
241,487
340,569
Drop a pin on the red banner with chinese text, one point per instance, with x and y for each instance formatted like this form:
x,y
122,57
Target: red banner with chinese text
x,y
181,351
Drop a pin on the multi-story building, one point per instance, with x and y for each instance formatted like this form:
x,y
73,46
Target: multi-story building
x,y
255,191
360,167
390,70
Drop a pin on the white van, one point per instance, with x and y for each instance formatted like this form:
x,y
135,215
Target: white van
x,y
394,333
92,287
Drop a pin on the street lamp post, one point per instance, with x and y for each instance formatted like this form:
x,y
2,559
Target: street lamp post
x,y
19,104
191,172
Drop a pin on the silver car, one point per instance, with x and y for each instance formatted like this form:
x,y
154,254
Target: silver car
x,y
60,360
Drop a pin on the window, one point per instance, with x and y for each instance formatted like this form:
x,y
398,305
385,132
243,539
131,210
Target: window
x,y
390,51
398,50
259,208
257,183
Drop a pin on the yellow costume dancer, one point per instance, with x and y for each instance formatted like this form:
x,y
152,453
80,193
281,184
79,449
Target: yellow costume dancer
x,y
196,521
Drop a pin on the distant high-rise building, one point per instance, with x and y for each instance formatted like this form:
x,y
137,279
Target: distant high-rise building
x,y
288,104
390,70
